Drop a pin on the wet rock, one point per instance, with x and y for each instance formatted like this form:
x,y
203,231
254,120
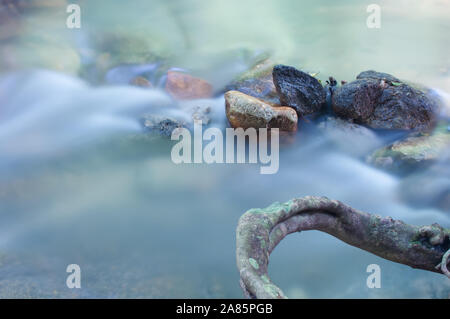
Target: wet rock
x,y
247,111
201,114
382,101
140,81
429,188
183,86
161,125
257,82
377,76
418,150
298,89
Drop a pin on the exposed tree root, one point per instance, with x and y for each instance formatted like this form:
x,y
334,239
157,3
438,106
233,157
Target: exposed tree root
x,y
260,230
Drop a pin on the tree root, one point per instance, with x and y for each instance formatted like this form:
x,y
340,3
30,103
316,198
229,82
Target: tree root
x,y
260,230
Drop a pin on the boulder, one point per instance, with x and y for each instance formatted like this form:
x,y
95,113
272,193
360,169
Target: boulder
x,y
246,111
298,90
381,101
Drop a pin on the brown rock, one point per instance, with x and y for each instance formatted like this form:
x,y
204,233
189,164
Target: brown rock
x,y
141,82
183,86
246,111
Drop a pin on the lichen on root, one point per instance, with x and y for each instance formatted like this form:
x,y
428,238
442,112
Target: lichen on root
x,y
260,230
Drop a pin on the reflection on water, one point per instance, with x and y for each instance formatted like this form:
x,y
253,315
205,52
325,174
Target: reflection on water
x,y
80,183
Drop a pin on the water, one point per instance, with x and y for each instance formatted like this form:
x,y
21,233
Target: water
x,y
80,183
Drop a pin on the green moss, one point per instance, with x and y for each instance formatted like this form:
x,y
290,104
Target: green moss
x,y
271,290
254,263
259,70
273,209
265,279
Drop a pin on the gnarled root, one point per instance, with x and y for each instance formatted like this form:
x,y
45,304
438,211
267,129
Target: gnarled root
x,y
260,230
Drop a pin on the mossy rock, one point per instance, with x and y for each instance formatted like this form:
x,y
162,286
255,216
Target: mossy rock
x,y
257,82
418,150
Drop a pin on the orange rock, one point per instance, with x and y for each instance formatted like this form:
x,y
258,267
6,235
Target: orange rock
x,y
246,111
141,82
183,86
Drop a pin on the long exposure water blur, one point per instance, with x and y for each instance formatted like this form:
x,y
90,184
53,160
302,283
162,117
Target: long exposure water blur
x,y
80,183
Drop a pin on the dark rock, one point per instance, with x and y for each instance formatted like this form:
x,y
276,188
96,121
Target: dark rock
x,y
257,82
377,76
161,125
298,89
381,101
330,87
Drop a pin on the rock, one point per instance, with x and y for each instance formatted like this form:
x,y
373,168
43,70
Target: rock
x,y
183,86
247,111
381,101
377,76
141,82
298,89
161,125
429,188
257,82
201,114
418,150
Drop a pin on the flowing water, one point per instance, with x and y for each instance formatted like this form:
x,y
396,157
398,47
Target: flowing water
x,y
80,183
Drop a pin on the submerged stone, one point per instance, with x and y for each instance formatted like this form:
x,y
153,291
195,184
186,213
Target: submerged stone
x,y
415,151
183,86
382,101
298,90
246,111
140,81
161,125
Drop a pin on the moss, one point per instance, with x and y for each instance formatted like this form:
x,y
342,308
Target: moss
x,y
265,279
254,263
271,290
273,209
259,70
